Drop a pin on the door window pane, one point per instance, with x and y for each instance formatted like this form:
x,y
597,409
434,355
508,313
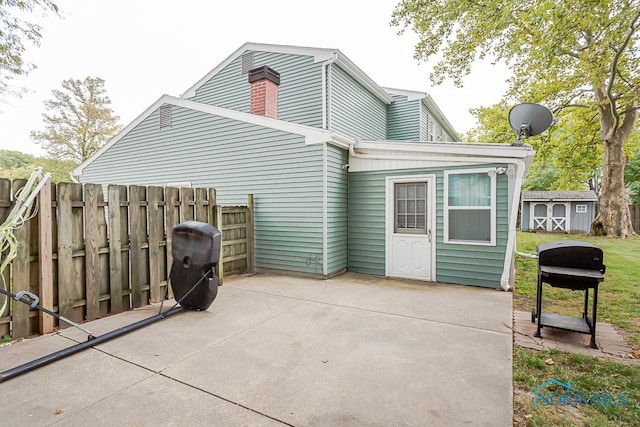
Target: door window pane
x,y
411,207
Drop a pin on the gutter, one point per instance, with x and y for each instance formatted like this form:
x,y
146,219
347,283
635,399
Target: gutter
x,y
325,91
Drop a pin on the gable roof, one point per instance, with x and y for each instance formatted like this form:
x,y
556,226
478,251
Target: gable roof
x,y
588,195
431,105
318,54
311,134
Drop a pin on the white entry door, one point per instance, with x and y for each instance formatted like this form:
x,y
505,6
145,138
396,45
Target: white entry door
x,y
409,227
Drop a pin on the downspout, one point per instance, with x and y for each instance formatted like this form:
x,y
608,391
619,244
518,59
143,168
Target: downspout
x,y
326,105
325,207
505,280
325,81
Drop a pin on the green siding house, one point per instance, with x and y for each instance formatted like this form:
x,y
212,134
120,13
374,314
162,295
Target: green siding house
x,y
346,175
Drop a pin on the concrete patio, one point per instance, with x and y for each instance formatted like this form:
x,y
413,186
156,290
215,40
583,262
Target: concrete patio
x,y
355,350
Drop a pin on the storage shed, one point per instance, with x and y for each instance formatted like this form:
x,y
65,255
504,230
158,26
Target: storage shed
x,y
558,211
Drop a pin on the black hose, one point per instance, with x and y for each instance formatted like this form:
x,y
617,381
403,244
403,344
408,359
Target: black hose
x,y
45,360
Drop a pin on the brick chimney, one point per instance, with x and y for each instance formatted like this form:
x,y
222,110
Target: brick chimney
x,y
264,91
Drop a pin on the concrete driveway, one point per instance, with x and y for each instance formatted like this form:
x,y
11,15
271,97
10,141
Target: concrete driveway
x,y
274,350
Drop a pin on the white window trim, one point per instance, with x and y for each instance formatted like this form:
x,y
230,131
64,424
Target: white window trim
x,y
582,208
492,208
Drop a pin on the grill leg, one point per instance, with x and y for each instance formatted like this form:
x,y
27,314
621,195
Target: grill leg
x,y
539,306
593,319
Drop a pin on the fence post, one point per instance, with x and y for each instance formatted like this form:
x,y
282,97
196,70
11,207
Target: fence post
x,y
218,224
5,208
250,236
45,259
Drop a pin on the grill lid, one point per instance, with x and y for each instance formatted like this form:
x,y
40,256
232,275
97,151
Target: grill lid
x,y
571,254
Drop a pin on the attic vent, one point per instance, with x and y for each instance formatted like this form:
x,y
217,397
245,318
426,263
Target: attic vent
x,y
165,116
247,62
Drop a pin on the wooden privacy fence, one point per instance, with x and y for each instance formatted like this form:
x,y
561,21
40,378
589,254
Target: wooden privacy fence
x,y
86,258
635,217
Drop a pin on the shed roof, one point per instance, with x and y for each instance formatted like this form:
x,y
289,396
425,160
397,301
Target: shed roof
x,y
588,195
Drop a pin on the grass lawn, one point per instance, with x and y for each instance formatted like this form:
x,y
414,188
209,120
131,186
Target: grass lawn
x,y
618,304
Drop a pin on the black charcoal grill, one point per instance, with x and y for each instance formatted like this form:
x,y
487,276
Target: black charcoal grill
x,y
571,265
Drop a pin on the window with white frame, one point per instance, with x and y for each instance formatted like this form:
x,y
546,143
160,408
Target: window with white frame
x,y
581,208
470,207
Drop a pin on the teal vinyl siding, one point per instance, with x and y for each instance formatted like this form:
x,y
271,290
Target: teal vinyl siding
x,y
367,222
337,201
403,119
424,122
455,263
236,158
355,111
299,93
439,134
470,264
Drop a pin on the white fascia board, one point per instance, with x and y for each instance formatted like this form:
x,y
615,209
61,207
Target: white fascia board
x,y
505,152
311,134
411,95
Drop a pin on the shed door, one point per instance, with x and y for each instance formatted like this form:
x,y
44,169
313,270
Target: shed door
x,y
539,219
410,246
550,216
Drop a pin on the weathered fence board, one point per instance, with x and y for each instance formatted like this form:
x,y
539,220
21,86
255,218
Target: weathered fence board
x,y
45,250
5,208
116,196
20,275
96,258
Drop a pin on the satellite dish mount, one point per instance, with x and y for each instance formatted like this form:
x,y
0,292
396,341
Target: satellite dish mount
x,y
529,120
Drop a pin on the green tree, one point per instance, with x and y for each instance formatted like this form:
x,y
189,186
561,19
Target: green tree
x,y
14,33
15,165
562,52
10,159
568,155
79,120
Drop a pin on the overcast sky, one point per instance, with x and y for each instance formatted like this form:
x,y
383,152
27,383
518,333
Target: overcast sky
x,y
146,48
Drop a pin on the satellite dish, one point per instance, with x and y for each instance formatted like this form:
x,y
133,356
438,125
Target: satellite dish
x,y
529,120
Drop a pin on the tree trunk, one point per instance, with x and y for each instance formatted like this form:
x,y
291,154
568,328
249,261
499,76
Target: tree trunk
x,y
614,217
